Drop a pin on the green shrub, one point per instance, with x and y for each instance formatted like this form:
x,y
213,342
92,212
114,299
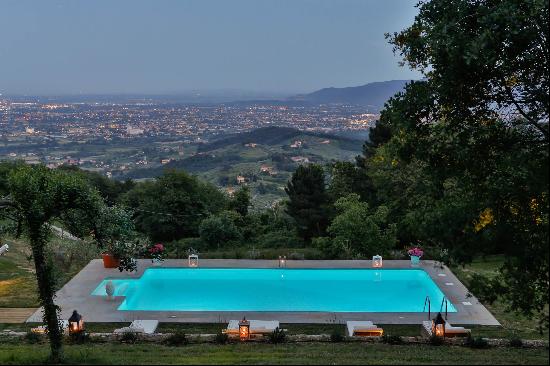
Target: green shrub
x,y
221,338
436,341
277,336
392,339
337,336
79,338
33,338
129,337
477,342
516,342
177,339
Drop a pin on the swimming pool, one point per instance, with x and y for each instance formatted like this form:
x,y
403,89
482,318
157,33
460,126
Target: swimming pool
x,y
275,290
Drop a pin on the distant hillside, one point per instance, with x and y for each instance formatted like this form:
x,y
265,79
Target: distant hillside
x,y
247,151
273,136
372,95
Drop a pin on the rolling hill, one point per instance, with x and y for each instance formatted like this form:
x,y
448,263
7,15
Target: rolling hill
x,y
372,95
265,158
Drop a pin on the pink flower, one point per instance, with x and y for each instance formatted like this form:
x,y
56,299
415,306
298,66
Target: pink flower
x,y
416,252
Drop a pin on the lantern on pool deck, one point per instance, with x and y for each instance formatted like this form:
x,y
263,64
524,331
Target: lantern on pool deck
x,y
193,260
438,326
282,261
76,323
377,261
244,330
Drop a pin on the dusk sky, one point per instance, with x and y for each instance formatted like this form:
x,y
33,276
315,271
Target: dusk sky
x,y
155,47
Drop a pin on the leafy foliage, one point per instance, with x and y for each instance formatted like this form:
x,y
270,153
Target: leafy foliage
x,y
37,197
308,201
218,230
277,336
358,231
173,206
177,339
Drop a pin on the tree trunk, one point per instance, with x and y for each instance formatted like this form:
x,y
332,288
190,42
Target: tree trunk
x,y
46,289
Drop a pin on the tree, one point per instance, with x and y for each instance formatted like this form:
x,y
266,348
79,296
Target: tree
x,y
308,201
37,197
358,231
484,59
220,229
467,163
172,207
346,178
240,201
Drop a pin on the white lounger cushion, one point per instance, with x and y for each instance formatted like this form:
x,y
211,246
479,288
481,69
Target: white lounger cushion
x,y
355,325
140,326
64,324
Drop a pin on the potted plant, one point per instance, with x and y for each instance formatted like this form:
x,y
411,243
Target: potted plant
x,y
415,253
114,231
156,253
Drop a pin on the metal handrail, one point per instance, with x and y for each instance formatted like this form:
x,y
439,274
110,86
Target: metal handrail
x,y
427,300
444,301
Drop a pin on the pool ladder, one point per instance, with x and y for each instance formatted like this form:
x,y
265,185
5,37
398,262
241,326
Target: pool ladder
x,y
429,303
444,301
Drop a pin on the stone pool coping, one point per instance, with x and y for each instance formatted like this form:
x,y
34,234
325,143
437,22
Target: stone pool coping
x,y
76,294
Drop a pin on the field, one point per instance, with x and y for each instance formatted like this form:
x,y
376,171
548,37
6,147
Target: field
x,y
283,354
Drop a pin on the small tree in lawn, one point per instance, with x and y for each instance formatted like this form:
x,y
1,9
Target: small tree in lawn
x,y
37,197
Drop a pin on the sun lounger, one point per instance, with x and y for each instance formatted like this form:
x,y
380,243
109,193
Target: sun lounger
x,y
450,331
363,328
42,329
140,326
257,327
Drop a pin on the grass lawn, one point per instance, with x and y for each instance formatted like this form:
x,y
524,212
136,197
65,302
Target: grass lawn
x,y
513,325
18,287
301,354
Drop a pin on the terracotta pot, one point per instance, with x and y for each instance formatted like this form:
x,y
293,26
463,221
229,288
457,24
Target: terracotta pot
x,y
109,261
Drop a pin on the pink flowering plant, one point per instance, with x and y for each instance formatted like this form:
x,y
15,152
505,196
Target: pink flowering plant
x,y
156,252
415,252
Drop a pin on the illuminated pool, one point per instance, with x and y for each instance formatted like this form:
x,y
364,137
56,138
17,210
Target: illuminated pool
x,y
288,290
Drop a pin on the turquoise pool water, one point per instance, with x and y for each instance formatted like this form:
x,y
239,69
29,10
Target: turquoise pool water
x,y
231,289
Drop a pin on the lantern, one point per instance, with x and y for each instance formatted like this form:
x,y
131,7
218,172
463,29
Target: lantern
x,y
193,260
76,323
244,329
377,261
438,326
282,261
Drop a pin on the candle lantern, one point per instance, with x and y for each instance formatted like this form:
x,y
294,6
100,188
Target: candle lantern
x,y
244,329
438,326
377,261
76,323
282,261
193,260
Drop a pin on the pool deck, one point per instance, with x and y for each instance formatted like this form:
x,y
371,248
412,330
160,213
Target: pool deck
x,y
76,294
